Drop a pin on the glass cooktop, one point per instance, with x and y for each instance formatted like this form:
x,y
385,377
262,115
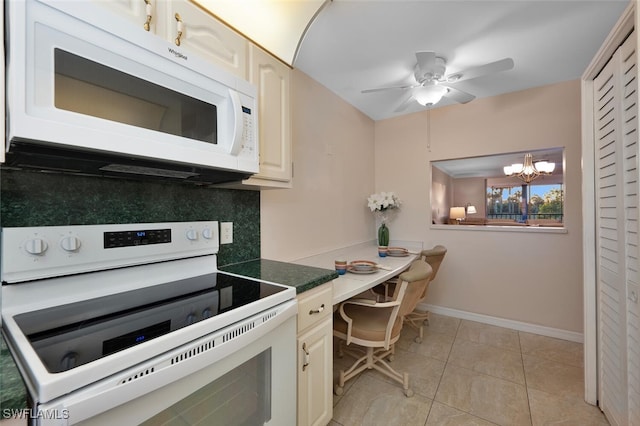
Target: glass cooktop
x,y
67,336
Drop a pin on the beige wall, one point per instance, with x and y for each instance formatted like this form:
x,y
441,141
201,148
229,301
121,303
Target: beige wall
x,y
441,195
530,277
341,157
470,191
333,176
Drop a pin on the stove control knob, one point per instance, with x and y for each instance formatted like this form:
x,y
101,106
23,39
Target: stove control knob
x,y
70,243
68,361
206,313
207,233
192,235
36,246
191,318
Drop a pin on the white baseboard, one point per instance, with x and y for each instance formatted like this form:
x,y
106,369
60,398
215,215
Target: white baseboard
x,y
506,323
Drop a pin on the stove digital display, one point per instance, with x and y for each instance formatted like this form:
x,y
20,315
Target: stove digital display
x,y
135,337
136,238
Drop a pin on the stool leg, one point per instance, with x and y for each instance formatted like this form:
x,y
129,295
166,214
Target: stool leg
x,y
339,388
405,385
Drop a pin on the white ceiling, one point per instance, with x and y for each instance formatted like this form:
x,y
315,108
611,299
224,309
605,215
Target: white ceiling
x,y
361,44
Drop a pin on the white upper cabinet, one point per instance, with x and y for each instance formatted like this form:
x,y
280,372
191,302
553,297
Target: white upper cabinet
x,y
273,79
186,25
135,11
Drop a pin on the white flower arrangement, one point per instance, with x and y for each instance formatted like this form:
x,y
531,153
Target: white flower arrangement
x,y
383,201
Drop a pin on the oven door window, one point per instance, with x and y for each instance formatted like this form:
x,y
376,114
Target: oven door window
x,y
96,90
241,397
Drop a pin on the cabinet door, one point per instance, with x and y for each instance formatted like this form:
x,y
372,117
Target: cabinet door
x,y
315,375
135,11
206,37
202,34
272,78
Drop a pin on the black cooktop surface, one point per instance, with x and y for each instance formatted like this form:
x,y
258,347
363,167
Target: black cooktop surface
x,y
74,334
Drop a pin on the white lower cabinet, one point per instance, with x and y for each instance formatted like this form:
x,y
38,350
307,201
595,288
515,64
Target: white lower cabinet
x,y
315,356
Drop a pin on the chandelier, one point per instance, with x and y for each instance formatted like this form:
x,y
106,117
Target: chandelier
x,y
528,171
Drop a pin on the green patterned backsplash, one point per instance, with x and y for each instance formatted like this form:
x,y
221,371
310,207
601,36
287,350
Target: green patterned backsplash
x,y
49,199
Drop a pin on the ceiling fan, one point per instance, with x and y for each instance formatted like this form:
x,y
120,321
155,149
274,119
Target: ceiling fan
x,y
432,82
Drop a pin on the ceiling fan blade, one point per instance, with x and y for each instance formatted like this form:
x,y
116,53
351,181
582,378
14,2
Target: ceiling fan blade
x,y
458,95
405,104
380,89
475,72
426,60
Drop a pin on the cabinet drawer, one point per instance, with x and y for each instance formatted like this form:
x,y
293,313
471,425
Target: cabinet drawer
x,y
314,305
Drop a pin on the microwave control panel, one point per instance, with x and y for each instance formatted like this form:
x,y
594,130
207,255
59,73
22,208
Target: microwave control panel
x,y
248,154
248,132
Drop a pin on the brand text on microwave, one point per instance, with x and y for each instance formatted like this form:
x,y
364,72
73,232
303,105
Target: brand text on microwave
x,y
178,54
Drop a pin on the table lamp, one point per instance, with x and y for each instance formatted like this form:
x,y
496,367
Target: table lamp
x,y
457,214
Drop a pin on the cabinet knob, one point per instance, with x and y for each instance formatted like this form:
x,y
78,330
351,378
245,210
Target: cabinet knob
x,y
147,23
305,361
178,28
317,311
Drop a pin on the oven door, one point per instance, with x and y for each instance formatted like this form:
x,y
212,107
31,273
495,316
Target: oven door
x,y
242,375
77,86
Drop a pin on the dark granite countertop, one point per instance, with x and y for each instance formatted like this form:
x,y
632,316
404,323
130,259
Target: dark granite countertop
x,y
301,277
13,393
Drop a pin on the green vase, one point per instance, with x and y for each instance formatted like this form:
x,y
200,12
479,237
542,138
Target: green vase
x,y
383,235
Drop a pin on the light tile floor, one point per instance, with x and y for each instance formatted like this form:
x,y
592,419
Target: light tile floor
x,y
468,373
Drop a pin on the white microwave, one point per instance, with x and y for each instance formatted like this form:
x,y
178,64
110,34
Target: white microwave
x,y
89,92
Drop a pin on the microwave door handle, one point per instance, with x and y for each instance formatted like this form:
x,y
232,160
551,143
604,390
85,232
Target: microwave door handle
x,y
236,106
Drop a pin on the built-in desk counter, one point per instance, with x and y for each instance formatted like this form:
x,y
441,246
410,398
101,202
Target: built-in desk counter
x,y
350,284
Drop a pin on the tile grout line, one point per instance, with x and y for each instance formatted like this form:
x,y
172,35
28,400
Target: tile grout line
x,y
446,362
484,374
524,374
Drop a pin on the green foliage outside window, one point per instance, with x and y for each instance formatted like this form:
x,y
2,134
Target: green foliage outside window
x,y
506,202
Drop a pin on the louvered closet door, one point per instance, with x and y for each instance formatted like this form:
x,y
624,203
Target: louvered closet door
x,y
617,234
631,180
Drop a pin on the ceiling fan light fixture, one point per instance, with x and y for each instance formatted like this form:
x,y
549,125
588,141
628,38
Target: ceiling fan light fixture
x,y
453,78
430,95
